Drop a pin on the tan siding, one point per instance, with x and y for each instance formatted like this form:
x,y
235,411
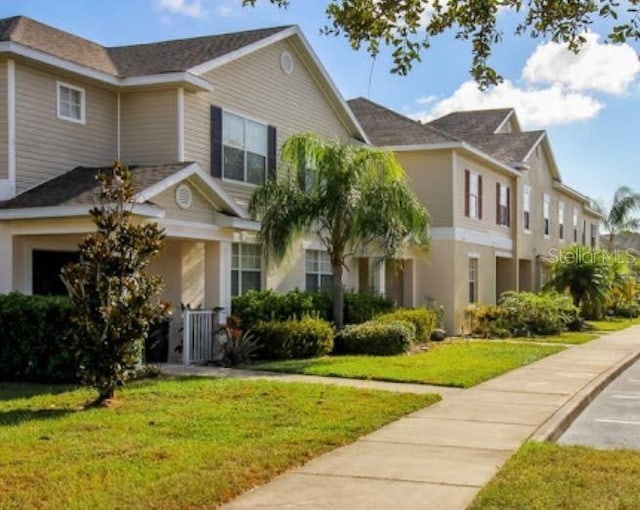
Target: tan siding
x,y
430,175
149,127
4,164
256,87
47,146
201,210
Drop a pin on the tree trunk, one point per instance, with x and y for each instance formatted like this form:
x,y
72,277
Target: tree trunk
x,y
338,294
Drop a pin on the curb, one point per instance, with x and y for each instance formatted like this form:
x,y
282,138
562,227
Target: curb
x,y
560,421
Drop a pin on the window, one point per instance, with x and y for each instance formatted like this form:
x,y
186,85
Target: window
x,y
575,225
593,235
561,221
502,204
545,215
584,232
472,195
318,271
246,268
526,208
70,103
473,280
245,149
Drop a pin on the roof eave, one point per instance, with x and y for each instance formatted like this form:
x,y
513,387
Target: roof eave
x,y
70,211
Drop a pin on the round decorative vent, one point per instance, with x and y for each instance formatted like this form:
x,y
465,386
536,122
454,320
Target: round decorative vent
x,y
286,62
184,196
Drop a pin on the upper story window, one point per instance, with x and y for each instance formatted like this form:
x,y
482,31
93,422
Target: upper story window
x,y
473,280
245,149
71,102
561,221
246,268
584,232
575,225
593,235
319,276
472,195
546,211
526,208
502,204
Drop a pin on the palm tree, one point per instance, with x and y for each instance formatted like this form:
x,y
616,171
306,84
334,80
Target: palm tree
x,y
350,196
620,217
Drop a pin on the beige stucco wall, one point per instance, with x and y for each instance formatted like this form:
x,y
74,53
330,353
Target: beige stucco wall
x,y
4,163
430,176
149,127
47,146
254,86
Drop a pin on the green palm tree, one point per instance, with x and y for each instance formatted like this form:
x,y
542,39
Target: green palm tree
x,y
350,196
620,217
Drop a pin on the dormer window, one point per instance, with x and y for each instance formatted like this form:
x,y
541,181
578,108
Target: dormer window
x,y
71,103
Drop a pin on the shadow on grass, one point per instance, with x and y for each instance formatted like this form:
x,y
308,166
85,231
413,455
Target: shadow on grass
x,y
16,390
18,416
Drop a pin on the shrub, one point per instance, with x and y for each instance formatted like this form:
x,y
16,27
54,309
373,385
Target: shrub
x,y
307,337
526,314
482,320
267,305
377,338
627,309
423,319
35,339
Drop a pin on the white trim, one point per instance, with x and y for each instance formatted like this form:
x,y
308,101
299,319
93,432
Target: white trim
x,y
180,107
236,223
473,255
452,146
504,255
136,81
193,230
546,201
267,41
11,129
526,191
507,118
571,192
533,147
481,238
192,169
118,127
83,102
65,211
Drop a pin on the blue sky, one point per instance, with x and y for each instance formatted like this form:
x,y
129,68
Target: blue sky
x,y
589,104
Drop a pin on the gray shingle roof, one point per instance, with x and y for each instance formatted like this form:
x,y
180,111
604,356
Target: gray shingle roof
x,y
480,122
507,147
80,186
126,61
385,127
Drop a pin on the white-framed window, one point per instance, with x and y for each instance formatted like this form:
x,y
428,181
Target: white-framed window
x,y
561,220
245,149
71,102
526,208
318,274
246,268
502,213
473,195
473,279
546,218
575,225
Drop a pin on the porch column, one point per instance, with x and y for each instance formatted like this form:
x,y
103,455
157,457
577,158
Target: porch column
x,y
217,275
6,261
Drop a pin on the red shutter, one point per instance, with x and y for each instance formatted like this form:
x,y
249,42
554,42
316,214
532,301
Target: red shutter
x,y
498,203
467,189
508,206
479,197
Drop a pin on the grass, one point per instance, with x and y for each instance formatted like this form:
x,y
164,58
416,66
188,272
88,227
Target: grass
x,y
190,443
545,475
459,363
568,337
612,324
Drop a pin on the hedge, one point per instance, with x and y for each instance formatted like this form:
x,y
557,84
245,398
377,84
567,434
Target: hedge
x,y
376,338
424,320
35,340
307,337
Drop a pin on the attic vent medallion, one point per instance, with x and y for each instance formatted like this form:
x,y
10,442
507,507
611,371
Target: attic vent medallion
x,y
184,196
286,62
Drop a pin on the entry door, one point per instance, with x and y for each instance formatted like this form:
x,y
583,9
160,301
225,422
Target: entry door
x,y
46,267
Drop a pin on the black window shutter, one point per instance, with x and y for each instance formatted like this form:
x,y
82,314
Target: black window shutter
x,y
272,140
216,141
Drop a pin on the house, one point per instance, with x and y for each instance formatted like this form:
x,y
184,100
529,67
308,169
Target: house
x,y
499,210
201,121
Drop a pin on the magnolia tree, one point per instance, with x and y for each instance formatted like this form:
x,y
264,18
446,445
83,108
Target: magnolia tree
x,y
114,300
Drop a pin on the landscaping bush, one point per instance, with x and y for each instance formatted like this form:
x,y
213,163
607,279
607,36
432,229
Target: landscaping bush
x,y
526,314
482,321
35,339
424,320
377,338
626,310
307,337
267,305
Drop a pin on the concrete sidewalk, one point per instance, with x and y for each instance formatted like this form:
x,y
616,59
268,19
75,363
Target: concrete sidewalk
x,y
441,456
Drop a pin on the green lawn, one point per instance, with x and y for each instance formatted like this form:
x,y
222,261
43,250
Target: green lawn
x,y
568,337
545,475
459,363
612,324
190,443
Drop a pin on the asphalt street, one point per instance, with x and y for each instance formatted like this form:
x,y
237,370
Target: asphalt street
x,y
612,420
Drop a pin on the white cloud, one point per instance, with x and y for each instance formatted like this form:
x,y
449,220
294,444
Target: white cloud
x,y
536,108
229,8
597,67
192,8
